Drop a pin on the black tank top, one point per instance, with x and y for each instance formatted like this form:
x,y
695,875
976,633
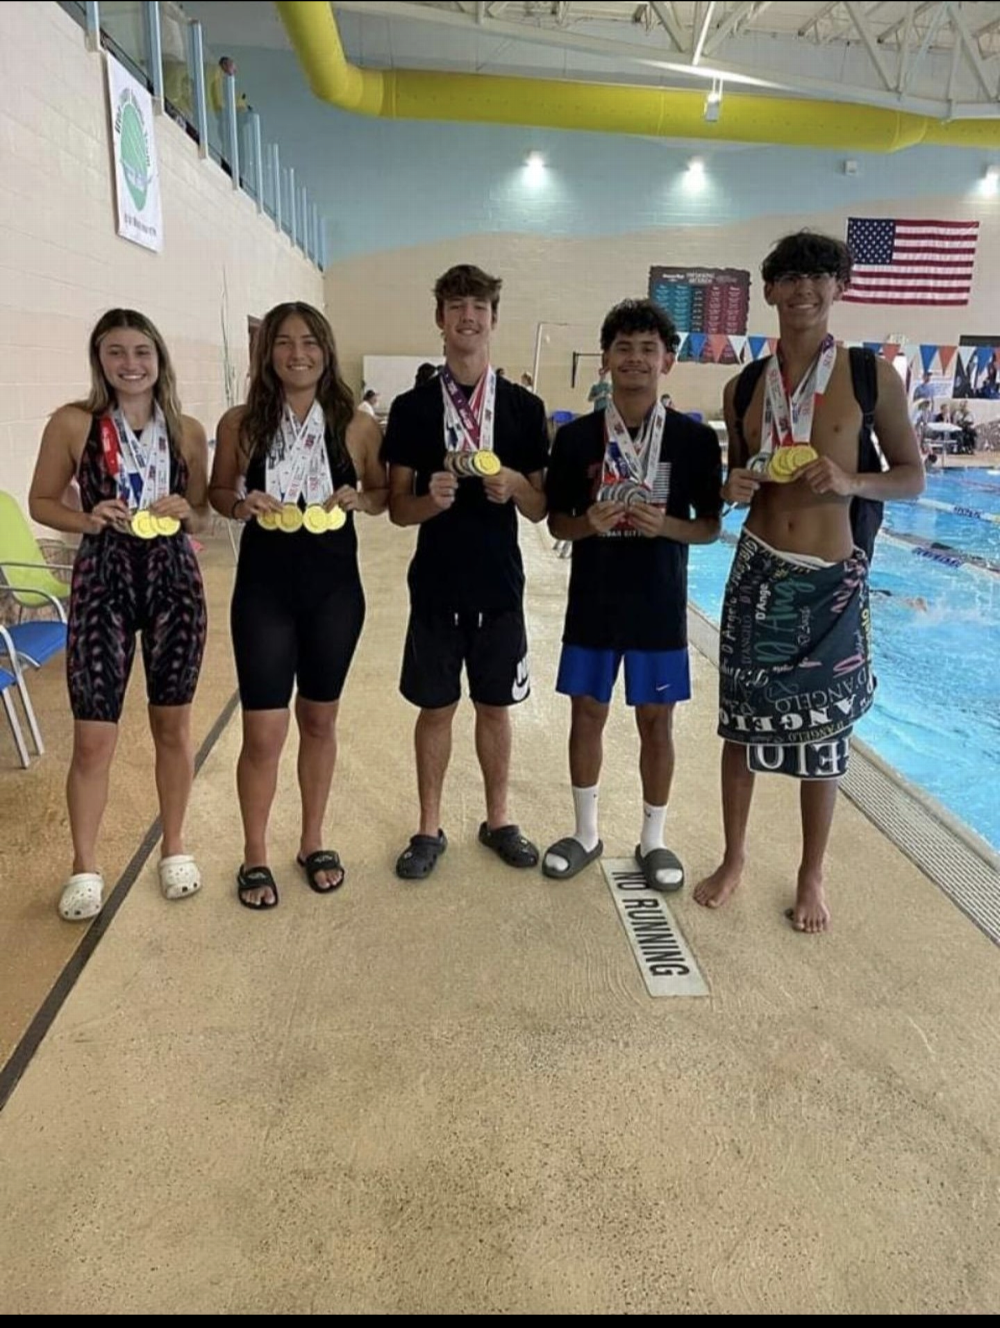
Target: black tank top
x,y
273,553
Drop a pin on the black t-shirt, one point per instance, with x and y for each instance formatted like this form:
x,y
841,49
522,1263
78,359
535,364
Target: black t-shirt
x,y
467,557
628,592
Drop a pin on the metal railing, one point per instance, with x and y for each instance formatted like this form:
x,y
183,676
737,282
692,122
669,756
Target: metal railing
x,y
163,48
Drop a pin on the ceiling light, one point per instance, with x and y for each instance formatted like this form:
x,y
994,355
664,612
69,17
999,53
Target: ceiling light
x,y
991,180
535,161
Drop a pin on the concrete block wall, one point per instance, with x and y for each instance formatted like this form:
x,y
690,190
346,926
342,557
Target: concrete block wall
x,y
62,263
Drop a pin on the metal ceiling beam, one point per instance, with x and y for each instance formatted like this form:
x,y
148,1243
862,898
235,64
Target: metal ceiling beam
x,y
963,37
936,20
841,25
568,39
911,13
699,41
749,10
989,26
818,17
865,33
668,19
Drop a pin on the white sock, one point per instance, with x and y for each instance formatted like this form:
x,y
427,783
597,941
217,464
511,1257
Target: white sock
x,y
652,828
653,819
585,807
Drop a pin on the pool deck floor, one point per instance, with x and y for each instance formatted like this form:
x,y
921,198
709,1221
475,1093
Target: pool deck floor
x,y
458,1097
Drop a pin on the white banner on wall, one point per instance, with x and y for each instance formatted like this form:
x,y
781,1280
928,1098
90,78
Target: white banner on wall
x,y
137,174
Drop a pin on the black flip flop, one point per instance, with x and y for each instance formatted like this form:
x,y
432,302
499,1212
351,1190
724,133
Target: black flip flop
x,y
256,878
418,860
323,860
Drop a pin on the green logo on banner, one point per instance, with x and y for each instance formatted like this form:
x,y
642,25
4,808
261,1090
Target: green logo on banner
x,y
134,154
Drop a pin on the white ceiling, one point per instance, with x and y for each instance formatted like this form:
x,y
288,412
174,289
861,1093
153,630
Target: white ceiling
x,y
940,58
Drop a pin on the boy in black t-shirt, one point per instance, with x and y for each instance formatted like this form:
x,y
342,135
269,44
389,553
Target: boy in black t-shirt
x,y
622,484
467,451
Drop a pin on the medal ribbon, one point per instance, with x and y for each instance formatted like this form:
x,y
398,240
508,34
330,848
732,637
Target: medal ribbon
x,y
636,459
468,423
300,461
141,465
788,419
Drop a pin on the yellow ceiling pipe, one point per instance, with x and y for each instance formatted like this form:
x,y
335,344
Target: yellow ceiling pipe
x,y
404,94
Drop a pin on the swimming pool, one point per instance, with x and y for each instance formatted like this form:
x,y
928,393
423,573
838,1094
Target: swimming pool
x,y
936,717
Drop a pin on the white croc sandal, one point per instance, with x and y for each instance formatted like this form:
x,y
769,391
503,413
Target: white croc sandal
x,y
179,876
82,897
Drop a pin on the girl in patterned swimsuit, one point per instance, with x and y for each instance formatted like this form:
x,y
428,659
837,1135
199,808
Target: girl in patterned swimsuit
x,y
288,465
141,466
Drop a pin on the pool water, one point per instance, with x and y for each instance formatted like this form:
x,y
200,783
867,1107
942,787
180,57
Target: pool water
x,y
936,717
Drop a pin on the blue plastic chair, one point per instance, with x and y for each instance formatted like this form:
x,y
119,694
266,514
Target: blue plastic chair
x,y
31,582
7,681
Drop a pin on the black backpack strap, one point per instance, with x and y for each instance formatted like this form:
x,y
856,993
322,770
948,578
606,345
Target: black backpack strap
x,y
866,513
749,377
745,386
864,380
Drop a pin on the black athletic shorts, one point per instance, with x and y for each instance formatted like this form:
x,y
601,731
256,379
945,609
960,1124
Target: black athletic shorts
x,y
492,646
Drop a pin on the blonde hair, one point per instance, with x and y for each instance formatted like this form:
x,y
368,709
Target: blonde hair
x,y
102,397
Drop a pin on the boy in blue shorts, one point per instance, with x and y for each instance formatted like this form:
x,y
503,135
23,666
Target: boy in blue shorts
x,y
630,487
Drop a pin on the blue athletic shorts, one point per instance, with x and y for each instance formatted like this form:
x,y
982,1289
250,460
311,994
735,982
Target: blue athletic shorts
x,y
652,677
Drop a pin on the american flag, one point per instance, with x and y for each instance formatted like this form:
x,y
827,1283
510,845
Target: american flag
x,y
911,262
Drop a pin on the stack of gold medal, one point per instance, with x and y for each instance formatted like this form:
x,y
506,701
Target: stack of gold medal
x,y
147,526
468,465
786,462
315,519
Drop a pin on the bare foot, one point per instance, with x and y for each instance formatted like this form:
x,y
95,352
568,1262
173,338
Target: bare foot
x,y
714,890
810,913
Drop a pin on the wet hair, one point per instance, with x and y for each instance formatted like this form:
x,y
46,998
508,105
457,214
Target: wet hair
x,y
638,316
266,397
808,251
102,397
425,372
465,281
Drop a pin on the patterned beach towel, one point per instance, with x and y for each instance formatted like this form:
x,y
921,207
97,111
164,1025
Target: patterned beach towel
x,y
794,660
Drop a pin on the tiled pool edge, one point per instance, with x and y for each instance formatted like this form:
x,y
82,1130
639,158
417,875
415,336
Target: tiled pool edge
x,y
952,855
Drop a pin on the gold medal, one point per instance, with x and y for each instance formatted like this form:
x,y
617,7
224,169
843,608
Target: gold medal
x,y
290,518
166,525
486,463
336,518
142,525
316,519
788,461
268,520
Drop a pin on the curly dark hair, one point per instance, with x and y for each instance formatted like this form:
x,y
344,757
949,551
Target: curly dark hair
x,y
638,316
265,399
808,251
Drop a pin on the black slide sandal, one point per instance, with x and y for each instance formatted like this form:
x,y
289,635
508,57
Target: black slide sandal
x,y
323,860
256,878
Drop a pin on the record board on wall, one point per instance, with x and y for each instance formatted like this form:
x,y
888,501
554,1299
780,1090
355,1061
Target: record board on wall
x,y
710,300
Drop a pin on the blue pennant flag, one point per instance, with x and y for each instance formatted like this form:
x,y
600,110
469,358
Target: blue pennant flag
x,y
757,344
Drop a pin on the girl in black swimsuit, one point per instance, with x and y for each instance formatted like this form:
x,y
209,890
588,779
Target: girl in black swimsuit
x,y
129,448
288,466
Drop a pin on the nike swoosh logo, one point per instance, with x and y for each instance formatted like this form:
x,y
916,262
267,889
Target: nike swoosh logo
x,y
664,688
